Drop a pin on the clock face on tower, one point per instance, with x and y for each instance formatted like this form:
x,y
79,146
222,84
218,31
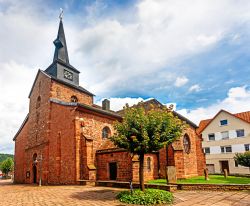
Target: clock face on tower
x,y
68,75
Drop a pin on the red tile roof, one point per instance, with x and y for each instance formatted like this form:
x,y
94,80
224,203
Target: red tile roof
x,y
245,116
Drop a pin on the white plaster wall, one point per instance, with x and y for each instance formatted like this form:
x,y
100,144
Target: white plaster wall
x,y
232,134
218,136
215,150
238,148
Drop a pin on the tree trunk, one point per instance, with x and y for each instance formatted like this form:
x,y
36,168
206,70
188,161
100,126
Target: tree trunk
x,y
141,172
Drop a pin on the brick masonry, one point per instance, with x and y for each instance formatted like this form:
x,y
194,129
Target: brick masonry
x,y
69,138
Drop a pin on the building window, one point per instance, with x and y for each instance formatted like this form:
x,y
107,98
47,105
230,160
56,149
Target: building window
x,y
207,150
247,147
225,135
226,149
38,102
186,143
106,132
73,99
223,122
240,133
149,164
211,137
236,164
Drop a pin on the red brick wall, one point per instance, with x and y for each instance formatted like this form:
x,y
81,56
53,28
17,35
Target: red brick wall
x,y
34,137
62,151
19,174
124,165
64,93
127,169
91,139
149,174
201,160
190,159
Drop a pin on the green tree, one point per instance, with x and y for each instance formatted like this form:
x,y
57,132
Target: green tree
x,y
7,166
243,159
143,132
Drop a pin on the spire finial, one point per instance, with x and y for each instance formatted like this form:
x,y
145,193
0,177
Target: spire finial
x,y
61,14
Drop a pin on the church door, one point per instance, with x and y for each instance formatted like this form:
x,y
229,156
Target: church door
x,y
112,170
34,174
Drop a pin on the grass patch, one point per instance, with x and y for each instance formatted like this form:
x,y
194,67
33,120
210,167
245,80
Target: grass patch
x,y
213,179
149,197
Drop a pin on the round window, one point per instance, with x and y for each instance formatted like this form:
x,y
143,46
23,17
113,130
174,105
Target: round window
x,y
186,143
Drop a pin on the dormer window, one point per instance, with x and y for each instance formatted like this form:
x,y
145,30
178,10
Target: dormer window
x,y
73,99
223,122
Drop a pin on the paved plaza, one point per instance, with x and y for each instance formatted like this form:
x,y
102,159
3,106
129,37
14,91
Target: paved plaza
x,y
27,195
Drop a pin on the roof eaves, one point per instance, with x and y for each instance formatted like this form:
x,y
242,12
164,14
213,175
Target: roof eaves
x,y
79,88
21,127
101,111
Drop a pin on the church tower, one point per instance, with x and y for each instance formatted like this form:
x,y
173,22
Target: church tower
x,y
61,68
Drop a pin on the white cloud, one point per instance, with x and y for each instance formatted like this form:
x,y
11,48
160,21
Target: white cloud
x,y
237,100
194,88
15,83
181,81
114,55
159,34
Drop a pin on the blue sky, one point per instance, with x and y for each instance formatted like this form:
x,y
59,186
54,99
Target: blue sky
x,y
194,54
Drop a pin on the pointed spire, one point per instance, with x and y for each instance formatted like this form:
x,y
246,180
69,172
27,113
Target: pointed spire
x,y
61,52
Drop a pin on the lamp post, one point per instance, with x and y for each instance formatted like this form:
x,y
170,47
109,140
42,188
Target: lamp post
x,y
40,171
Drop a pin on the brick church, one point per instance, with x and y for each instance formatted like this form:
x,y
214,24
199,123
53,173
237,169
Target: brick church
x,y
64,137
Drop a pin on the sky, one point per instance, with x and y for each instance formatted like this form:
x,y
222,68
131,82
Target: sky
x,y
194,54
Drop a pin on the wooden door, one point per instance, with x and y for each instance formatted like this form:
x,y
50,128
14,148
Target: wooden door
x,y
224,165
112,170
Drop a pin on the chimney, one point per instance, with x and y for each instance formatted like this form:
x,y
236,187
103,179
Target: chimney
x,y
106,104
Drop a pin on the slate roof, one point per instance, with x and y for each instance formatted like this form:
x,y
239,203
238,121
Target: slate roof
x,y
156,102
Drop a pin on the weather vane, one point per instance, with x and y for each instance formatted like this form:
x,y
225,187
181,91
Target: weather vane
x,y
61,14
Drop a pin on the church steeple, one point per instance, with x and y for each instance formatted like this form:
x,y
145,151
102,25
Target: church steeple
x,y
61,52
61,68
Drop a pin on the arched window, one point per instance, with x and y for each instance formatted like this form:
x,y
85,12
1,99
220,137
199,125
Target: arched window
x,y
73,99
106,132
186,143
38,102
149,164
34,157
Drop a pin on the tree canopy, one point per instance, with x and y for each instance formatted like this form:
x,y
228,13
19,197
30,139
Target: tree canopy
x,y
144,131
5,156
7,165
243,159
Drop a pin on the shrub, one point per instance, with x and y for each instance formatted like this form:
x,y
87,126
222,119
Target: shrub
x,y
148,197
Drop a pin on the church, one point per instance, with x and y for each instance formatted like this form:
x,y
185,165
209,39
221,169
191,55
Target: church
x,y
64,138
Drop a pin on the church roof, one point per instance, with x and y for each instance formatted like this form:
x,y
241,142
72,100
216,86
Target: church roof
x,y
22,126
79,88
153,101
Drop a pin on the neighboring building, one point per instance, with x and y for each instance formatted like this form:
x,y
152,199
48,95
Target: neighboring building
x,y
64,138
223,136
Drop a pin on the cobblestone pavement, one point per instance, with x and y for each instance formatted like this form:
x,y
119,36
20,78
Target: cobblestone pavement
x,y
27,195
